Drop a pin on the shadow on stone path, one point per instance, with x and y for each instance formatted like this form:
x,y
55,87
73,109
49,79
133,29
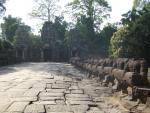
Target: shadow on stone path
x,y
52,88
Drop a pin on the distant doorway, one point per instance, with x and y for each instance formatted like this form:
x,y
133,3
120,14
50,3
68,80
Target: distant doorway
x,y
47,54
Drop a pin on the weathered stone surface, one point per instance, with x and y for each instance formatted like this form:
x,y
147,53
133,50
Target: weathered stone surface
x,y
15,94
45,102
57,108
56,90
54,87
77,91
75,102
96,110
98,99
48,86
60,86
51,98
59,112
34,108
49,94
79,108
67,79
77,96
24,99
74,87
79,99
4,106
39,85
12,112
60,102
148,102
91,111
18,106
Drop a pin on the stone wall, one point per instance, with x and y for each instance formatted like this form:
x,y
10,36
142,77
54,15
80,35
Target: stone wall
x,y
8,57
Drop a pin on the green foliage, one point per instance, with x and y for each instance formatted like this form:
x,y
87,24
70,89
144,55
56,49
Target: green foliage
x,y
133,40
36,41
9,27
88,36
5,44
105,37
94,10
118,48
90,15
85,28
60,27
1,45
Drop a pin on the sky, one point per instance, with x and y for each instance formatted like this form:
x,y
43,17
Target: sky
x,y
22,8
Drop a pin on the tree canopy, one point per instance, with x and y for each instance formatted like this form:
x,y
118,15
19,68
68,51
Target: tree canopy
x,y
94,10
45,9
9,27
132,40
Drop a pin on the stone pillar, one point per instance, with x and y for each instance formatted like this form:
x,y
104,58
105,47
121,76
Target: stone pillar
x,y
148,102
31,55
23,54
16,53
42,55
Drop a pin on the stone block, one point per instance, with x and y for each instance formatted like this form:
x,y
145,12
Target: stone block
x,y
34,108
49,94
57,108
18,106
4,106
77,91
45,102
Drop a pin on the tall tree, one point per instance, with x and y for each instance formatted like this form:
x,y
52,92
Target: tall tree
x,y
9,27
60,26
105,38
94,10
133,40
85,28
45,9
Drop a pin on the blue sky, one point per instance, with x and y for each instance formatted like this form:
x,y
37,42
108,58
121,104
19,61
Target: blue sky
x,y
21,8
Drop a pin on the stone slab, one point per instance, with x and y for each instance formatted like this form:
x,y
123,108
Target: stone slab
x,y
45,102
77,96
34,108
4,106
57,108
49,94
51,98
24,99
79,108
56,90
74,102
18,106
77,91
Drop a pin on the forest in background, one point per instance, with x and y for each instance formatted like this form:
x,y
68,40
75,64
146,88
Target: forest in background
x,y
129,38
